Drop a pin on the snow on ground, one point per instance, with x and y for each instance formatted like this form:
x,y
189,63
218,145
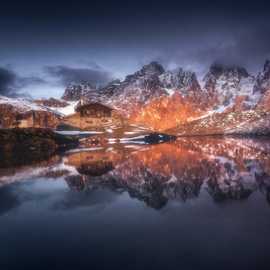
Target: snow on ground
x,y
77,132
24,105
138,139
89,149
70,109
169,91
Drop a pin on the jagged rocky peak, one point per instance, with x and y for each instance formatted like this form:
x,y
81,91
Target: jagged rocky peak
x,y
152,68
179,79
223,76
74,92
110,88
228,81
138,87
263,79
218,70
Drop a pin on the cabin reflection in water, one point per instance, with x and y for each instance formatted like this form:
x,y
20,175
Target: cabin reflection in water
x,y
93,163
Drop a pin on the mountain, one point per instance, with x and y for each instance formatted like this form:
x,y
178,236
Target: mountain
x,y
226,83
174,99
262,86
241,103
150,82
74,92
149,95
230,100
183,101
262,83
179,80
52,103
136,90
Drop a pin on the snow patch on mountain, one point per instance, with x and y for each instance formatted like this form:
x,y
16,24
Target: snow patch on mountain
x,y
179,80
22,105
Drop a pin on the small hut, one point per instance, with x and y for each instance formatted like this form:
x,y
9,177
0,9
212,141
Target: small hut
x,y
95,110
93,116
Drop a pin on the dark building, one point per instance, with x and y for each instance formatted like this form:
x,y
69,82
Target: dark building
x,y
94,110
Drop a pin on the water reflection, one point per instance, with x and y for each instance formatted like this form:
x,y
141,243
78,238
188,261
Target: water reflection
x,y
228,168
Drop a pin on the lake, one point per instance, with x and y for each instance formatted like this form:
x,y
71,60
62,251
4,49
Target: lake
x,y
196,203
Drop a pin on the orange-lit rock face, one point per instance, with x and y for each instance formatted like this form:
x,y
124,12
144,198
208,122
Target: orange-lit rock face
x,y
167,112
197,156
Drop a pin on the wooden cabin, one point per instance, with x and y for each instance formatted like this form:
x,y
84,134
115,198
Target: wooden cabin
x,y
93,163
93,116
96,110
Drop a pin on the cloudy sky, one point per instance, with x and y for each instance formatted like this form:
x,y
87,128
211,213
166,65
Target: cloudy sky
x,y
46,45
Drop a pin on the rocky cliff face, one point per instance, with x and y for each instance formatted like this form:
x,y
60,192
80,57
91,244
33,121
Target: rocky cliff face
x,y
136,90
74,92
225,83
262,83
241,103
149,83
179,80
151,94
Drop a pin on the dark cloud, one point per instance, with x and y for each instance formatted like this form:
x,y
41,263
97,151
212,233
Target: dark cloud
x,y
31,80
123,35
68,75
7,81
11,83
249,48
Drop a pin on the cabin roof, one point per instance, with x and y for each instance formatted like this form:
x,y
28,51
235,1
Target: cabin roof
x,y
92,104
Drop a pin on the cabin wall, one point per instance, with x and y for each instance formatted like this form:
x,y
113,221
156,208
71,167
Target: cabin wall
x,y
93,123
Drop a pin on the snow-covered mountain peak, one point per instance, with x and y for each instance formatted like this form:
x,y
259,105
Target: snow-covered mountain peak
x,y
263,79
76,91
227,82
153,68
21,105
179,79
218,70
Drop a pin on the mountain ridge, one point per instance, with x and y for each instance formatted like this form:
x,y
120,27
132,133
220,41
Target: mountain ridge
x,y
174,100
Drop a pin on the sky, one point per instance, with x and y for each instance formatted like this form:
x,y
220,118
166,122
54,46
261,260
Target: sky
x,y
46,45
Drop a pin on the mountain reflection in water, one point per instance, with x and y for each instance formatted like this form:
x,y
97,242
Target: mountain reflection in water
x,y
196,203
227,168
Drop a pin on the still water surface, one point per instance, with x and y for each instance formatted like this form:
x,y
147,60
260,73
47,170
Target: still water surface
x,y
190,204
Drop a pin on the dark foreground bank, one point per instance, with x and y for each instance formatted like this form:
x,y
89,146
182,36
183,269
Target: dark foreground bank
x,y
20,146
